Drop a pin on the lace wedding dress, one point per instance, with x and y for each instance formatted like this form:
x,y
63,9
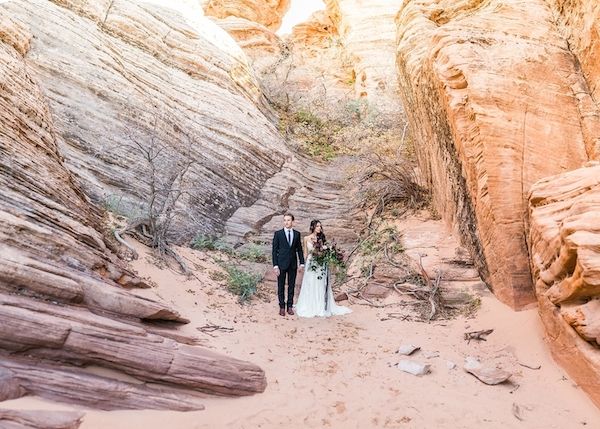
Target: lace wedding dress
x,y
316,296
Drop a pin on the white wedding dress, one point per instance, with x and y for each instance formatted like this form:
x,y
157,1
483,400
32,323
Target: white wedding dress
x,y
316,296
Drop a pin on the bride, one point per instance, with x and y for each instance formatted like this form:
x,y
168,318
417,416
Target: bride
x,y
316,296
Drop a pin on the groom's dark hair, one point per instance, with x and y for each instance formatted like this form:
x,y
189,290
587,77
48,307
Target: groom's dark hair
x,y
290,215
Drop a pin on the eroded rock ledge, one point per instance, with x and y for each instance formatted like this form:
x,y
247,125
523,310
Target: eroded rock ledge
x,y
62,296
118,75
564,239
488,87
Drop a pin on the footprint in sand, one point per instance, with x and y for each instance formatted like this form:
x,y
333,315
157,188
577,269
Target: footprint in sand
x,y
340,407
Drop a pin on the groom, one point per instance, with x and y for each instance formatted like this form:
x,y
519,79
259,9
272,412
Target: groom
x,y
287,249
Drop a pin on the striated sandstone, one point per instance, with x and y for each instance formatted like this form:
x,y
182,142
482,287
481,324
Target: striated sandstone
x,y
580,24
255,39
564,237
126,75
488,87
40,419
368,32
268,13
316,33
61,289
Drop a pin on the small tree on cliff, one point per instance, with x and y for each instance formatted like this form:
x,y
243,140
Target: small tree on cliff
x,y
167,181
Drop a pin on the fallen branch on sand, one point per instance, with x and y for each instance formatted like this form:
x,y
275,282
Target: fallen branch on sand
x,y
153,241
516,410
477,335
207,329
531,367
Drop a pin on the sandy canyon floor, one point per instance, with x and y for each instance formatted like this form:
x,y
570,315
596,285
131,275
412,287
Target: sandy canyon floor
x,y
338,372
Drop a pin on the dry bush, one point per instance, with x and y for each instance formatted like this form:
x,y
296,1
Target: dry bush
x,y
385,174
166,184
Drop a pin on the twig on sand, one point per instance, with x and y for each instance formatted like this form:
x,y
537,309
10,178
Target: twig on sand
x,y
516,410
477,335
209,328
434,296
435,300
400,316
117,233
531,367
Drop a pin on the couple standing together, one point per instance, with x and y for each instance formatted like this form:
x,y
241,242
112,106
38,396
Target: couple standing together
x,y
316,295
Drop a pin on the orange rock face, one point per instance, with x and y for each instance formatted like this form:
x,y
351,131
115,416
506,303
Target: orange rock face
x,y
496,101
564,239
255,39
369,34
579,21
268,13
316,32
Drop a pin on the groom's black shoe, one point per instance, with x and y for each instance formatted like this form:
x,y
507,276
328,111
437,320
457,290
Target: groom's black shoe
x,y
290,311
282,311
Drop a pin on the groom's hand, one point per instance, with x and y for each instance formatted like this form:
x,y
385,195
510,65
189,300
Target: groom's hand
x,y
301,267
277,272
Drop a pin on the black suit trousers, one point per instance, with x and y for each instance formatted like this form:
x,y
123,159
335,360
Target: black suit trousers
x,y
290,274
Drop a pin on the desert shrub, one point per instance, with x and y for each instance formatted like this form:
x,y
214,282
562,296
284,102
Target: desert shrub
x,y
252,252
242,283
211,242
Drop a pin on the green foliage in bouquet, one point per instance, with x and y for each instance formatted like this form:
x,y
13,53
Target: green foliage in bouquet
x,y
327,255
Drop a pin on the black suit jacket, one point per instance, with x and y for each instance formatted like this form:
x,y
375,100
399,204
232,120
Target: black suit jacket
x,y
284,255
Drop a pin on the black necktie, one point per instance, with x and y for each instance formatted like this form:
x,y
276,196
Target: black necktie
x,y
289,237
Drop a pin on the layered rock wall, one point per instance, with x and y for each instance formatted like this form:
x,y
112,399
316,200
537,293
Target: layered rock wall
x,y
369,33
564,239
502,100
63,294
123,79
579,22
268,13
496,100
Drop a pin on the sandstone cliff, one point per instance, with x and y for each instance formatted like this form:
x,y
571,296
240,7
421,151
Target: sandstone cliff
x,y
63,294
501,95
369,33
579,22
123,79
563,235
488,88
268,13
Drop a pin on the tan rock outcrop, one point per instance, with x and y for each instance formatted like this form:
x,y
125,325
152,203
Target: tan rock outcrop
x,y
255,39
40,419
368,32
125,77
495,101
580,24
61,289
564,240
268,13
317,32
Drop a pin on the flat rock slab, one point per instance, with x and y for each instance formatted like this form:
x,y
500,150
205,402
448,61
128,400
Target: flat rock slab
x,y
486,375
38,419
413,367
407,349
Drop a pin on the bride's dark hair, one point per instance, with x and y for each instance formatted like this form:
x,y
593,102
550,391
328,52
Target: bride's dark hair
x,y
313,226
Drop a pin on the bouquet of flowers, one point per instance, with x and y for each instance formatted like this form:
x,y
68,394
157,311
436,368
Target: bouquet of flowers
x,y
327,255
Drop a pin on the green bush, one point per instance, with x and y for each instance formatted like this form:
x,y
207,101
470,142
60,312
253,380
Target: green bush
x,y
242,283
253,253
210,242
308,118
119,206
